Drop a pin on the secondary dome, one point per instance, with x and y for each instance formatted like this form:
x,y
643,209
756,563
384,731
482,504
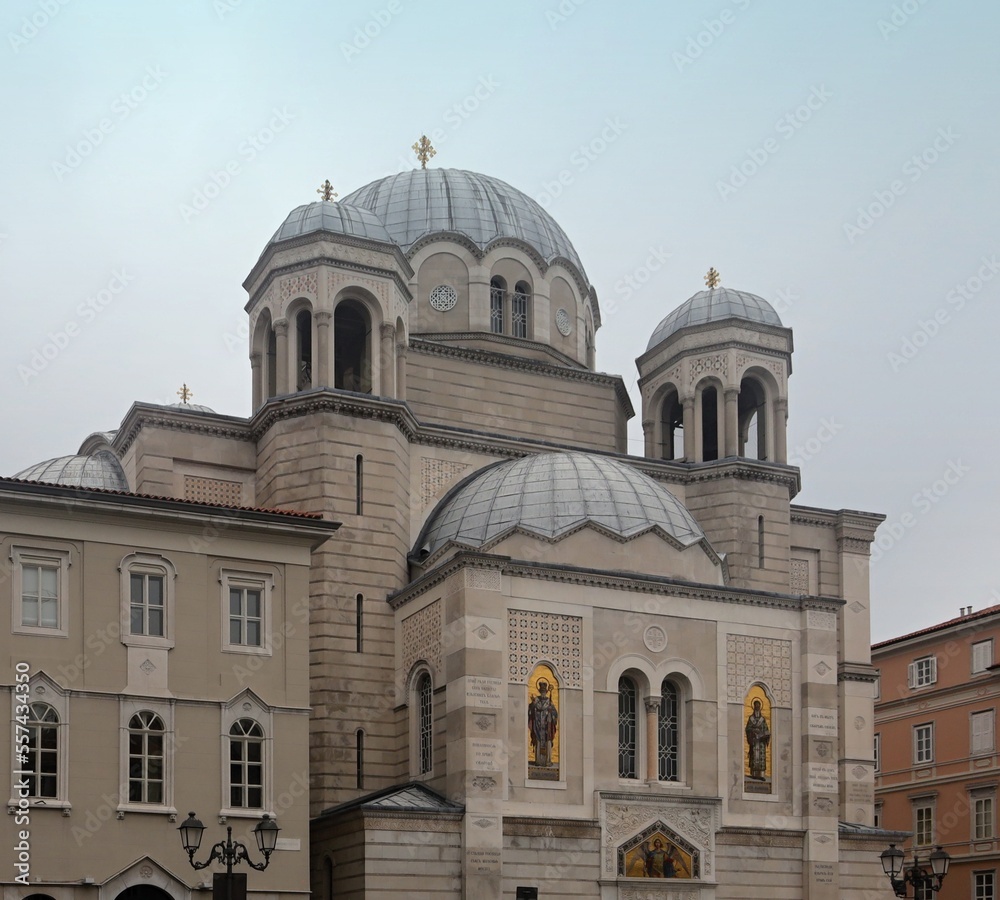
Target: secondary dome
x,y
712,306
99,470
339,218
553,493
414,204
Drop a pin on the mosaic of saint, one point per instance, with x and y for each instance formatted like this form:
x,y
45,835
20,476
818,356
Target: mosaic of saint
x,y
658,853
543,724
757,728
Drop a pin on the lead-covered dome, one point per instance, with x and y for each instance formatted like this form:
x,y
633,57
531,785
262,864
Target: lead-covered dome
x,y
712,306
98,470
554,493
423,202
338,218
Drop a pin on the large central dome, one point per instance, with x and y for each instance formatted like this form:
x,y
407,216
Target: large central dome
x,y
423,202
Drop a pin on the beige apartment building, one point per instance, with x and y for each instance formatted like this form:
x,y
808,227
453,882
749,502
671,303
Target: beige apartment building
x,y
537,663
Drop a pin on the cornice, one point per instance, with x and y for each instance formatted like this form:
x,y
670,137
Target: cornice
x,y
447,337
506,361
746,470
848,671
141,415
543,826
717,346
853,523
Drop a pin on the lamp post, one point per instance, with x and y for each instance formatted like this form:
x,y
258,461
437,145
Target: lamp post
x,y
229,851
918,875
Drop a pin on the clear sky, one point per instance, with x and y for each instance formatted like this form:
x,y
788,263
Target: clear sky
x,y
838,159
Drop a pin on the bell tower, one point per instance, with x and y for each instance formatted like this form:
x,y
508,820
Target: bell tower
x,y
714,383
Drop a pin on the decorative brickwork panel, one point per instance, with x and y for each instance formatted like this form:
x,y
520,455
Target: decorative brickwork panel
x,y
750,659
299,285
718,364
483,579
213,490
798,581
422,638
535,636
435,474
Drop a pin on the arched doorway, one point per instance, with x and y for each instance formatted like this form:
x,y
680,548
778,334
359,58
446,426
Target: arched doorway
x,y
144,892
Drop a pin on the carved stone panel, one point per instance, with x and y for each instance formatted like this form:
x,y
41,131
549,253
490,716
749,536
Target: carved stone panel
x,y
535,636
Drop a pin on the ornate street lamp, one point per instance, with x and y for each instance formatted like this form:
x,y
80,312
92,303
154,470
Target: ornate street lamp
x,y
918,875
229,851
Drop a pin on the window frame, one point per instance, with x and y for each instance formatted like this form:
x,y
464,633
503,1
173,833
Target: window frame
x,y
980,886
665,753
422,727
47,557
128,708
244,740
916,678
925,806
987,715
987,646
244,580
983,813
246,705
918,759
41,689
628,752
877,751
147,564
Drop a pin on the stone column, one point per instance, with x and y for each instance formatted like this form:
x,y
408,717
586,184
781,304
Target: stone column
x,y
281,355
257,380
652,739
387,364
690,445
731,432
400,371
781,430
321,364
649,435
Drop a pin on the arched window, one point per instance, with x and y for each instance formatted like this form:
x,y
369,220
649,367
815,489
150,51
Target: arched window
x,y
627,728
271,360
498,290
709,424
246,765
42,766
425,723
352,357
359,737
145,758
752,415
667,742
671,427
328,878
544,728
359,623
519,310
303,344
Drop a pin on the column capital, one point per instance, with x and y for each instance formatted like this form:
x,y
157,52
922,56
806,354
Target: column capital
x,y
256,357
323,316
280,326
387,330
401,349
652,705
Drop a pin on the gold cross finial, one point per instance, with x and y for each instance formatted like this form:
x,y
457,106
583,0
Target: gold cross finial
x,y
326,189
713,278
185,394
424,150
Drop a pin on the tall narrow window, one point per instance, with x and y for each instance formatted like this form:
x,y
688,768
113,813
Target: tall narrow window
x,y
671,427
360,759
923,820
425,723
982,732
303,342
359,484
42,765
40,586
246,616
982,656
627,697
246,765
328,878
147,604
359,622
352,333
982,818
667,732
39,595
709,424
272,363
145,758
923,743
751,419
519,310
760,542
497,291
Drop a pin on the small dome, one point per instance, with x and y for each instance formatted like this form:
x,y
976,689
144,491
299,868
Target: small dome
x,y
551,494
338,218
100,470
713,306
191,407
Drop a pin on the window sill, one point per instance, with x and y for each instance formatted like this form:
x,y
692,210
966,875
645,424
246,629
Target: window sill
x,y
40,631
246,650
35,803
241,813
147,642
155,809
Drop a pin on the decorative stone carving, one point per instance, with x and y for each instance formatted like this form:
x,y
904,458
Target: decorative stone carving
x,y
563,322
298,285
823,621
798,576
655,639
750,659
146,872
435,474
621,820
484,783
148,667
213,490
717,363
443,298
635,892
483,580
422,638
534,636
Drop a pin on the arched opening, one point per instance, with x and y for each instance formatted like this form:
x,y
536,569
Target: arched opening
x,y
543,724
359,484
671,427
359,737
328,878
304,350
668,736
498,288
144,892
352,353
752,419
709,424
519,310
359,623
628,722
425,724
271,363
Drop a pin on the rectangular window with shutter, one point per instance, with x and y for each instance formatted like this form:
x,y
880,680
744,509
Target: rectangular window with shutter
x,y
982,732
982,656
923,672
923,743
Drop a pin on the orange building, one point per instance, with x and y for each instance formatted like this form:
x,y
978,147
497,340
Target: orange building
x,y
936,769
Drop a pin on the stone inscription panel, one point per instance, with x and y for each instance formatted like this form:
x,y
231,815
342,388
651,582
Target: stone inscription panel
x,y
821,721
484,755
822,778
481,691
483,860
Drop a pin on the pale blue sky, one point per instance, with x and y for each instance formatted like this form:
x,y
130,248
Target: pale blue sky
x,y
550,78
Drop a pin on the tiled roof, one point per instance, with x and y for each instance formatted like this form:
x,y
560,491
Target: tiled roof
x,y
941,626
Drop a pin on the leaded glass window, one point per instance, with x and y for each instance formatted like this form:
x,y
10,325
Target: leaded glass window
x,y
667,728
626,728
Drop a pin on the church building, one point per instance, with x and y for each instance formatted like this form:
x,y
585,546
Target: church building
x,y
537,665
